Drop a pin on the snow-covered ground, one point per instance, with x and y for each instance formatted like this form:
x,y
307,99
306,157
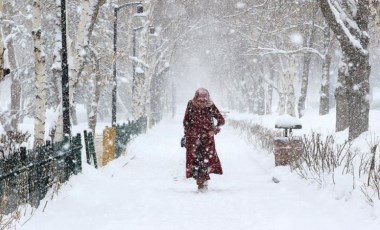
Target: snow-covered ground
x,y
146,189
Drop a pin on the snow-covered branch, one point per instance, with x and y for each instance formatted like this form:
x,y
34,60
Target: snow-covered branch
x,y
267,51
139,61
247,10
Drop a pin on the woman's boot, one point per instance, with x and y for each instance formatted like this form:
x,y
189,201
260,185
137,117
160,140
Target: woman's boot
x,y
202,184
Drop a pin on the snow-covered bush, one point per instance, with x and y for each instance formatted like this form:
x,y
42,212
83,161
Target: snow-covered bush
x,y
326,162
11,141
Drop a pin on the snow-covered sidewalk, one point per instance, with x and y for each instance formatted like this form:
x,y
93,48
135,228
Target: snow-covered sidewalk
x,y
146,189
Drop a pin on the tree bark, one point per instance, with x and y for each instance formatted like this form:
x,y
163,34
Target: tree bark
x,y
270,91
57,134
39,60
325,85
79,57
290,95
353,38
304,84
309,41
2,50
375,5
261,99
341,97
92,119
281,109
16,84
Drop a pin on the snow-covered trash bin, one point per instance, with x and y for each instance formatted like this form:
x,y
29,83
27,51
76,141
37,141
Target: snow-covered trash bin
x,y
287,148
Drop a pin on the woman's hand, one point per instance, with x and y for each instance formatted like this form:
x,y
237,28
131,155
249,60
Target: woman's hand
x,y
214,132
217,130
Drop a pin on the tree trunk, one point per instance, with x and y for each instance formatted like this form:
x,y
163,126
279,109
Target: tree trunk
x,y
79,57
39,60
325,87
308,42
57,134
359,94
341,98
15,102
282,95
92,121
15,88
270,91
375,5
2,50
94,12
304,84
352,32
290,102
261,99
16,85
290,95
137,105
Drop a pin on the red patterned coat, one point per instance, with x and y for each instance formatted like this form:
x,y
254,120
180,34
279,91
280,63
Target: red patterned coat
x,y
198,125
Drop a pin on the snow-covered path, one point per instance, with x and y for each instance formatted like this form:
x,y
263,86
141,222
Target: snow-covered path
x,y
146,189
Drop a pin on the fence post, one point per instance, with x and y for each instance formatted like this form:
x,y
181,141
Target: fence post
x,y
23,156
109,141
76,152
67,158
88,156
118,140
91,149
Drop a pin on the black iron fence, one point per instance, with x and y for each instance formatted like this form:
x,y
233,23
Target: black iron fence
x,y
125,132
90,148
26,175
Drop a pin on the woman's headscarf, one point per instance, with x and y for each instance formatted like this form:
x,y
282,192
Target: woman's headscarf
x,y
202,98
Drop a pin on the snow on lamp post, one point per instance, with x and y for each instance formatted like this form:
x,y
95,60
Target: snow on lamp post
x,y
139,10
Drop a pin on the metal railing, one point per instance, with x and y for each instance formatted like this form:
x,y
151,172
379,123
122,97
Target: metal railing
x,y
26,175
124,133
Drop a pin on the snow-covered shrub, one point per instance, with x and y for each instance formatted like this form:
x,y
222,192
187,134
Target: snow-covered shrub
x,y
325,161
11,141
257,134
7,221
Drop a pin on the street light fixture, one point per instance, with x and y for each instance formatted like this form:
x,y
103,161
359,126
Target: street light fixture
x,y
139,10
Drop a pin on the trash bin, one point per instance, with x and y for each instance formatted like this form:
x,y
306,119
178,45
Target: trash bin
x,y
288,148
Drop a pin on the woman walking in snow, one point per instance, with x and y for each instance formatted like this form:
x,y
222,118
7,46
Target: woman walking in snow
x,y
201,156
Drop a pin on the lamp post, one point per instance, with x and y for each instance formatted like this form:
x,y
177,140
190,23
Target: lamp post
x,y
65,75
139,10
